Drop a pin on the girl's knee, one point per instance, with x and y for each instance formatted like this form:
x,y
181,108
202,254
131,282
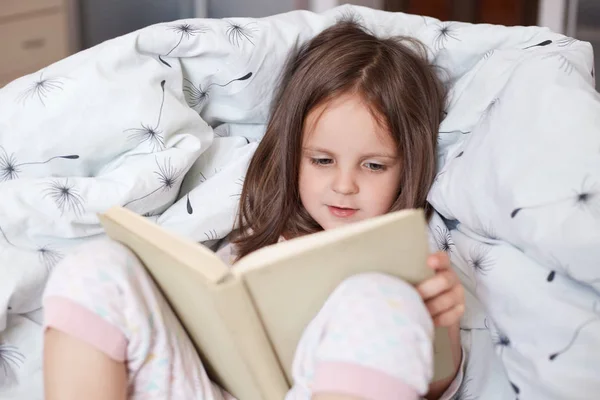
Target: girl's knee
x,y
100,267
378,293
100,258
376,284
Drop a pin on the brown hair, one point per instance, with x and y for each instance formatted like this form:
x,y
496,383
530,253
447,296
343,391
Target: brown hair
x,y
396,81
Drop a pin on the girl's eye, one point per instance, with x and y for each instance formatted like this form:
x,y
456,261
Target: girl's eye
x,y
375,167
321,161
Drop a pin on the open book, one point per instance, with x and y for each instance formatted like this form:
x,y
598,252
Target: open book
x,y
246,320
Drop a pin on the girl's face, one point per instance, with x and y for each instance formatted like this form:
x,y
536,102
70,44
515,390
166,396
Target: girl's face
x,y
350,167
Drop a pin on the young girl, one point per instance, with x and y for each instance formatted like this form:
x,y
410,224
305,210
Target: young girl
x,y
352,135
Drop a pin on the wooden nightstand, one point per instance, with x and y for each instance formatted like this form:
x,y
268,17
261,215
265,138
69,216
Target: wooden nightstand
x,y
33,34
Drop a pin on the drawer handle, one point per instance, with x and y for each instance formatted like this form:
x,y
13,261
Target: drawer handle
x,y
33,44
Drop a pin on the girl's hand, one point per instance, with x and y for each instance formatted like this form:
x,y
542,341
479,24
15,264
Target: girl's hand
x,y
443,294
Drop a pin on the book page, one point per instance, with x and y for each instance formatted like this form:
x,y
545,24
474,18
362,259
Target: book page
x,y
290,249
123,223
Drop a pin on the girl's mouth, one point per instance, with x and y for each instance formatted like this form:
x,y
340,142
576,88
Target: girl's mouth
x,y
342,212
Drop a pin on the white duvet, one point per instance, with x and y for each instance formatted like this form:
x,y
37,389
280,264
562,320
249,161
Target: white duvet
x,y
165,120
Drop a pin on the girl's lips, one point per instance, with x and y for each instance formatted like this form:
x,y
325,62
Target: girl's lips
x,y
341,212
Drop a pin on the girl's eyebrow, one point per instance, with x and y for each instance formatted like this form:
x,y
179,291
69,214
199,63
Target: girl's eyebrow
x,y
317,150
380,155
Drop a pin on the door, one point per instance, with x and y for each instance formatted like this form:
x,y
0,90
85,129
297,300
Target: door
x,y
502,12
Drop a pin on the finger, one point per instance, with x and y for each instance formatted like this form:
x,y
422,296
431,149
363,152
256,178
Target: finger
x,y
441,282
446,301
450,317
443,303
438,261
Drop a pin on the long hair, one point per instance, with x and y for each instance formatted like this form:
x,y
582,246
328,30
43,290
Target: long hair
x,y
400,87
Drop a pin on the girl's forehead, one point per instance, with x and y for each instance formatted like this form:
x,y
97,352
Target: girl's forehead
x,y
345,119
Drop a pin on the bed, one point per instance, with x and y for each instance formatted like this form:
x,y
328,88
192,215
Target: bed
x,y
164,121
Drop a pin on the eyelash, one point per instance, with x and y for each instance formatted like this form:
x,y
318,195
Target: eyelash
x,y
323,162
379,167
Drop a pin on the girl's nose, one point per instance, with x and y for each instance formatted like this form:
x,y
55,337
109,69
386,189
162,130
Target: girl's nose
x,y
345,182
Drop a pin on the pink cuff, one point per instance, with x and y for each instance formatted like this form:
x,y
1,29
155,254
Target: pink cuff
x,y
72,318
359,381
